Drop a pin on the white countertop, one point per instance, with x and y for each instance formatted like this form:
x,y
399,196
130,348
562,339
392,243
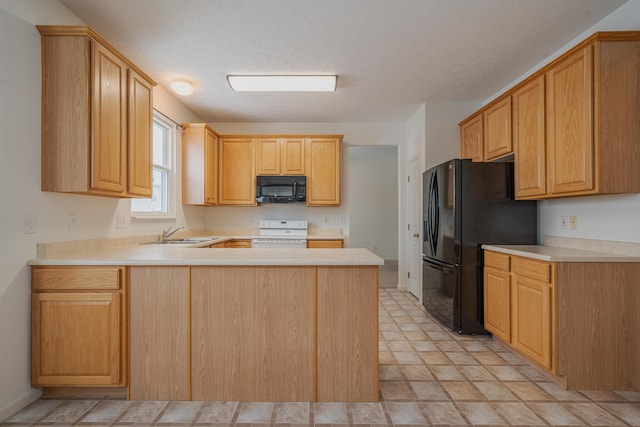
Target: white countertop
x,y
156,254
560,254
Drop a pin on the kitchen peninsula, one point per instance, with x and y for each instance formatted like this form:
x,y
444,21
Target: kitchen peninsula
x,y
181,322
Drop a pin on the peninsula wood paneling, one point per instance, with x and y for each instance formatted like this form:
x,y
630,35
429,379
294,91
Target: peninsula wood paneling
x,y
347,331
253,333
159,333
598,318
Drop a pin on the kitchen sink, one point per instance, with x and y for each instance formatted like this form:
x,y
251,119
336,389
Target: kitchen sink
x,y
185,241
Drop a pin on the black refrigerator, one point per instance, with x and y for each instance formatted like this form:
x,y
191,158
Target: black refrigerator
x,y
467,204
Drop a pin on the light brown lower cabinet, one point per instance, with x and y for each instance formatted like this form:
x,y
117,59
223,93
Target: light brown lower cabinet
x,y
78,327
328,244
577,320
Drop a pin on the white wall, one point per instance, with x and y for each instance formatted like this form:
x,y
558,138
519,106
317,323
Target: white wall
x,y
599,217
373,189
20,106
442,133
355,134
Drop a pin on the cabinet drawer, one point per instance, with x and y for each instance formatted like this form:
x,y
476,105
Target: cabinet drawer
x,y
496,260
335,244
45,279
538,270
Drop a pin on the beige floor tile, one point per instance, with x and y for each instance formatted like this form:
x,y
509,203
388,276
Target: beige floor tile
x,y
292,413
495,391
388,327
180,412
506,373
35,411
386,358
415,335
603,396
555,414
143,411
382,346
462,390
434,358
217,412
429,390
476,373
626,411
396,390
106,411
69,411
517,414
442,413
407,357
389,372
367,413
448,346
480,413
393,336
474,346
631,396
511,358
528,391
330,413
446,373
561,394
399,346
592,414
461,358
255,412
405,413
416,373
489,358
532,373
410,327
439,336
424,346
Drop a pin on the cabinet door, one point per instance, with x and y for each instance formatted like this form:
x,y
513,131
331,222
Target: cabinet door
x,y
532,323
325,244
497,130
268,156
292,162
323,171
347,334
139,162
159,333
237,172
210,168
471,135
76,339
529,139
570,124
109,102
497,303
253,333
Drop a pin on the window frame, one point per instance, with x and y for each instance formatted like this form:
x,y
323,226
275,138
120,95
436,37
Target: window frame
x,y
171,144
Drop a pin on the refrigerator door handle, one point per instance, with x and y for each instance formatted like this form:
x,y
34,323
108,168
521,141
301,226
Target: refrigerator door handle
x,y
433,213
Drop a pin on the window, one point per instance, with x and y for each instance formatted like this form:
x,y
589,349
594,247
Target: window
x,y
162,202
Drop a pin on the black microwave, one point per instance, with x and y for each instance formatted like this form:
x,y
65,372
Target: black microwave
x,y
281,189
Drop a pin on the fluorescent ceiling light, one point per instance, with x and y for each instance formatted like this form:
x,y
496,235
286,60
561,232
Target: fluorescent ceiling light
x,y
283,83
182,87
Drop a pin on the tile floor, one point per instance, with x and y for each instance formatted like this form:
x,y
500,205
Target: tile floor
x,y
428,376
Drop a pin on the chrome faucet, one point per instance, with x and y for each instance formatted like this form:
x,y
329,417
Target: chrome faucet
x,y
169,231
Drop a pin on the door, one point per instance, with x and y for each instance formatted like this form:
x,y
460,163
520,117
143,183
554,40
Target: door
x,y
471,134
76,339
497,130
439,213
414,259
237,172
323,171
139,180
570,124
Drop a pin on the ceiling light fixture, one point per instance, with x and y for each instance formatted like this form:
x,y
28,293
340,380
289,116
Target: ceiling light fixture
x,y
283,83
182,87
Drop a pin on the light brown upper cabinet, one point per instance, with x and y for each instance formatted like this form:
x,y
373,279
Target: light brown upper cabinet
x,y
471,137
576,121
237,171
497,130
529,139
486,135
199,165
97,116
323,171
280,156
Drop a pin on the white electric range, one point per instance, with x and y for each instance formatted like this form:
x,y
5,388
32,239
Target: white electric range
x,y
281,233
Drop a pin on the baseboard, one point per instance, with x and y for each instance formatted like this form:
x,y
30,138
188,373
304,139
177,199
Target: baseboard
x,y
12,407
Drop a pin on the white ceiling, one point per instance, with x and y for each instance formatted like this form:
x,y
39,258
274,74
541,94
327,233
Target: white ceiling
x,y
390,55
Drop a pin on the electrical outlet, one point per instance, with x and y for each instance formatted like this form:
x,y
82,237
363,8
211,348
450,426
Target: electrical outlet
x,y
573,222
564,222
30,224
72,221
121,221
